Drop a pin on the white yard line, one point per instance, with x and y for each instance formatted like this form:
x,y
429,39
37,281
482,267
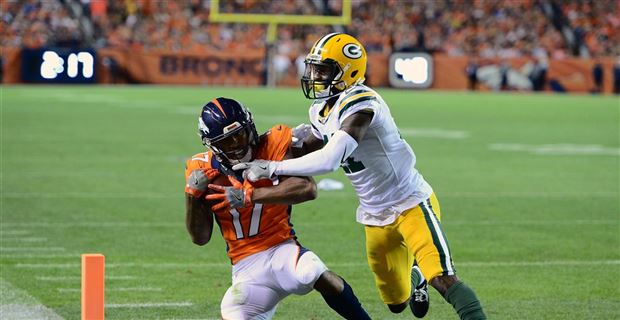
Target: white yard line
x,y
4,233
557,149
25,239
119,224
76,256
149,305
108,289
28,249
336,194
78,278
435,133
482,264
90,195
181,225
17,304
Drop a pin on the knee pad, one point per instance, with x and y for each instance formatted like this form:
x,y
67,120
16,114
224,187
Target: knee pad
x,y
309,268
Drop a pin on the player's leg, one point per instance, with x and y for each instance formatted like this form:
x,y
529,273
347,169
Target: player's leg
x,y
423,233
420,299
301,270
391,262
250,300
340,296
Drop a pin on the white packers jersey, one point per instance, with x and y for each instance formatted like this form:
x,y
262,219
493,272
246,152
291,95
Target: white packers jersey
x,y
382,168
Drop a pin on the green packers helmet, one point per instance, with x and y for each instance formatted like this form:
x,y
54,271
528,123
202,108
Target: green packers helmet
x,y
335,63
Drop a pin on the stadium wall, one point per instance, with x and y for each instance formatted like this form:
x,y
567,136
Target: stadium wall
x,y
247,67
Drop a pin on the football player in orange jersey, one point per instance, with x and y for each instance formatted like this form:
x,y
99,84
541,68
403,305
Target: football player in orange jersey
x,y
254,217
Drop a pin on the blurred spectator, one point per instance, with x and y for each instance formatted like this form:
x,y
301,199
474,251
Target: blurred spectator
x,y
37,23
597,75
488,29
596,24
494,29
538,74
617,77
470,71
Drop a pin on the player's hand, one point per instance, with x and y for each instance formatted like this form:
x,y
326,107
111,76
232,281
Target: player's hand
x,y
198,181
236,196
257,170
300,133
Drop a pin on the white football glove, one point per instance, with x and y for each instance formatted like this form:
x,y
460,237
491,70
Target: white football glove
x,y
257,170
300,133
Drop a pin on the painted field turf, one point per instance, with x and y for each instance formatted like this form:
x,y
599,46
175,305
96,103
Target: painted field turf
x,y
528,184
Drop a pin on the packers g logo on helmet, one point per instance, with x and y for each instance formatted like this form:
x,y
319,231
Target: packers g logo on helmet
x,y
336,62
352,51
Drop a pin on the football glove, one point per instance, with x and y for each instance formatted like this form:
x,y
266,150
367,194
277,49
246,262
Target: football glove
x,y
198,180
257,170
300,133
236,196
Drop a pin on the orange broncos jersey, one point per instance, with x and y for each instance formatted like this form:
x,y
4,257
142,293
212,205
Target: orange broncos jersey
x,y
252,229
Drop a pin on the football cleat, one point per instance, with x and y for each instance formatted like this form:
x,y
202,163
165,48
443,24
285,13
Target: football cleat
x,y
420,300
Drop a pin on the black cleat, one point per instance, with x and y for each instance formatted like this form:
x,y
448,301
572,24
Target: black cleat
x,y
419,301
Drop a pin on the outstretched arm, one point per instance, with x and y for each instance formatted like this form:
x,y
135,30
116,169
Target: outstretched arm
x,y
325,160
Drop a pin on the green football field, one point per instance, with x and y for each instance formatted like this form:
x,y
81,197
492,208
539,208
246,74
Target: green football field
x,y
528,184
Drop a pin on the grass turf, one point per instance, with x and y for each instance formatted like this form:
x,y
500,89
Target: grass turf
x,y
528,184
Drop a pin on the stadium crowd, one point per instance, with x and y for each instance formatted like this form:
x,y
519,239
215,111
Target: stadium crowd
x,y
491,28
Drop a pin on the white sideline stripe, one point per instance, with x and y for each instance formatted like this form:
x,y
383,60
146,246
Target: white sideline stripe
x,y
12,239
433,133
355,264
311,224
18,304
18,249
78,278
179,195
150,305
108,289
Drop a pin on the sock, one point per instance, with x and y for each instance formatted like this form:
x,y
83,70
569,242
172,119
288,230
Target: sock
x,y
346,304
416,277
465,302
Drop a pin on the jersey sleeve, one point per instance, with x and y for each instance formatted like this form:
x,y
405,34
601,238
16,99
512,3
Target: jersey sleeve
x,y
359,100
200,161
275,143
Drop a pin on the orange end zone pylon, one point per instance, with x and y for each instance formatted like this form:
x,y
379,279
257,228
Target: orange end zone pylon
x,y
93,286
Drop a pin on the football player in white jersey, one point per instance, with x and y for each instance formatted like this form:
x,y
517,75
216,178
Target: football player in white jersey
x,y
351,127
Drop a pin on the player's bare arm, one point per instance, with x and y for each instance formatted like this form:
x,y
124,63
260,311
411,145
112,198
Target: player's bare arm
x,y
290,190
310,144
198,219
